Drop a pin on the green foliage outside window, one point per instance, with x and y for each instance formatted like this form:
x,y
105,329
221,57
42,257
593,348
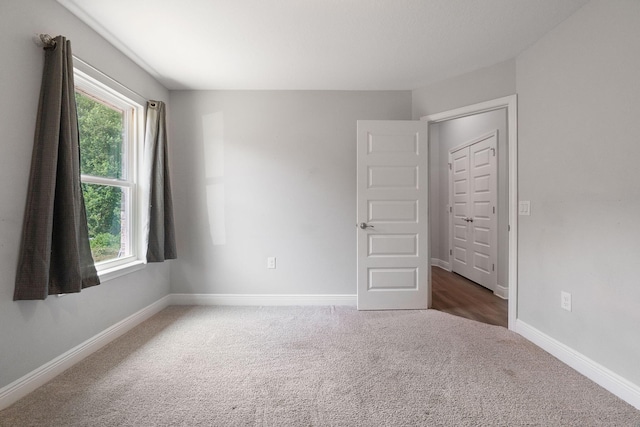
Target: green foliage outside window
x,y
100,128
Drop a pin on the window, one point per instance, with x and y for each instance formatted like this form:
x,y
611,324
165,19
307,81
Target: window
x,y
109,124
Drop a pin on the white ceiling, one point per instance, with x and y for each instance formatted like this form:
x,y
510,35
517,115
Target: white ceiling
x,y
318,44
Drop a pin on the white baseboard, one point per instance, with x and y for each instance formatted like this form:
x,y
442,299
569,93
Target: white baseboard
x,y
261,299
597,373
441,263
501,292
38,377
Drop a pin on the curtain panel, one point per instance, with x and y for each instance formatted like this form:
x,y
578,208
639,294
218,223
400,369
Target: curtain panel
x,y
158,225
55,256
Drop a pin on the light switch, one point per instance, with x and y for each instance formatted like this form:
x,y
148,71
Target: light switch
x,y
565,300
524,207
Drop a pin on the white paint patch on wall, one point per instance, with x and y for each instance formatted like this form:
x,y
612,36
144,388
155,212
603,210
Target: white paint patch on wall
x,y
213,142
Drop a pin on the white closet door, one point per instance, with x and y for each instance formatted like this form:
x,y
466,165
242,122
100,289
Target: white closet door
x,y
474,201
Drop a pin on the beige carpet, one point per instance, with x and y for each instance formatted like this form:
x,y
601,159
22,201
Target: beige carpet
x,y
318,366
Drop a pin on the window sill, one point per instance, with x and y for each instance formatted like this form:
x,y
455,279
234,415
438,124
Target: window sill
x,y
120,270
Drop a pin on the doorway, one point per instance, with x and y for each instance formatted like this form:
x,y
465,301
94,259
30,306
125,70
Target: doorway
x,y
454,294
460,126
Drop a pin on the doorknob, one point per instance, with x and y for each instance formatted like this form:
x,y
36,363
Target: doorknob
x,y
364,225
469,219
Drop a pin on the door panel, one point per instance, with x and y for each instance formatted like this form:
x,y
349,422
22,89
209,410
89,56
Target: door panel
x,y
393,177
460,179
393,278
399,211
393,267
483,174
393,245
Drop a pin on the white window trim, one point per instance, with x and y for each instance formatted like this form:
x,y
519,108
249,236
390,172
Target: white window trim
x,y
89,79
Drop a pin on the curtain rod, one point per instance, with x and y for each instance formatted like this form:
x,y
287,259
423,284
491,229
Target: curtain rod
x,y
95,70
46,41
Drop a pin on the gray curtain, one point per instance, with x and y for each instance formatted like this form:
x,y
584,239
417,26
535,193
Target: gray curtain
x,y
55,256
159,228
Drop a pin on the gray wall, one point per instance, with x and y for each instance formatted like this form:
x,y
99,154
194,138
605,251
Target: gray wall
x,y
448,135
269,174
34,332
579,145
471,88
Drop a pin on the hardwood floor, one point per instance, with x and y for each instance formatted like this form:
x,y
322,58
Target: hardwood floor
x,y
456,295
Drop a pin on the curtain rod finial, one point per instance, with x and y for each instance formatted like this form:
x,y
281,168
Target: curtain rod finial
x,y
44,40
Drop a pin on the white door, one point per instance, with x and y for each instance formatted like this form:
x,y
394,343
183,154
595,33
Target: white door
x,y
393,258
474,204
461,257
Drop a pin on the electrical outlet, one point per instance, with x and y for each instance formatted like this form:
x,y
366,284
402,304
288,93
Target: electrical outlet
x,y
565,300
271,262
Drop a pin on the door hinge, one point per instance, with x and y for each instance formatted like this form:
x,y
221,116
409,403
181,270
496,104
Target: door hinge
x,y
493,267
450,209
450,252
494,209
493,150
449,166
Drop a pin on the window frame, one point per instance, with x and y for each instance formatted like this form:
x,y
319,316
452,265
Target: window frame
x,y
94,84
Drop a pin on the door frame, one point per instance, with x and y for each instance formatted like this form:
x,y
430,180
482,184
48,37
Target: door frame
x,y
494,231
510,103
